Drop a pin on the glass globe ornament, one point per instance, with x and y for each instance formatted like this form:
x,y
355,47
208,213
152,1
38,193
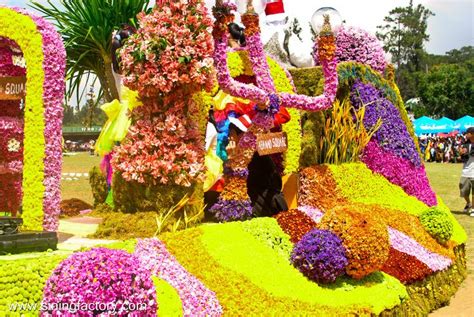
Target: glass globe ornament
x,y
317,20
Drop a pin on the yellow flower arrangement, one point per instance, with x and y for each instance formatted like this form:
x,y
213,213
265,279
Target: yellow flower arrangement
x,y
22,29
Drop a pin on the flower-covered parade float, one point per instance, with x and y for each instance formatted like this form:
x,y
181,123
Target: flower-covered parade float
x,y
366,234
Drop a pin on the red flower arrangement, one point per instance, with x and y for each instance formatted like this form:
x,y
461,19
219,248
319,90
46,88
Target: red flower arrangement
x,y
295,223
405,267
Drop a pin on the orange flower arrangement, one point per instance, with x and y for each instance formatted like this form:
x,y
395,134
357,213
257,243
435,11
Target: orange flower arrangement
x,y
295,223
365,238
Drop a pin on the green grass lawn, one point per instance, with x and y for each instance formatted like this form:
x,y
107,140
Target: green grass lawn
x,y
444,178
80,163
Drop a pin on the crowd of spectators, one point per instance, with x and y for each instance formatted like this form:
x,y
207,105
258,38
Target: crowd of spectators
x,y
79,146
442,149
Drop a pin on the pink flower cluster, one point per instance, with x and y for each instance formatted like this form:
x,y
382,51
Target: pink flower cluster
x,y
265,83
314,213
163,148
173,48
101,277
54,66
260,67
355,44
403,243
197,300
399,171
226,82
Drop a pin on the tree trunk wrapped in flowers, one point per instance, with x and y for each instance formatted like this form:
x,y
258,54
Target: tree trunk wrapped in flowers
x,y
167,62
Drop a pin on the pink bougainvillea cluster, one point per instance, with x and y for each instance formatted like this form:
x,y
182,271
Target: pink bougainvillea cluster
x,y
355,44
54,67
104,281
196,298
399,171
167,61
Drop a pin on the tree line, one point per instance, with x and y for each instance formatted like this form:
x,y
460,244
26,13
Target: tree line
x,y
444,84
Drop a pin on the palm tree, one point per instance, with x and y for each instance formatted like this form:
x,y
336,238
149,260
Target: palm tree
x,y
86,27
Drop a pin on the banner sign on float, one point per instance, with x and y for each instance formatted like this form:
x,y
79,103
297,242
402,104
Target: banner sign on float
x,y
271,143
12,87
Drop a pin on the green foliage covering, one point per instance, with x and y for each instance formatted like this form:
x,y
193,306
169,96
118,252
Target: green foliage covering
x,y
98,185
236,250
308,81
169,303
358,183
118,225
437,223
22,281
459,234
131,197
237,294
268,231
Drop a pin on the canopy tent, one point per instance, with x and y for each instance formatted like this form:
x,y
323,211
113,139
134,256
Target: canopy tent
x,y
445,125
425,125
464,123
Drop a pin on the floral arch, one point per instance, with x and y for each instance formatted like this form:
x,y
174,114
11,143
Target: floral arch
x,y
45,56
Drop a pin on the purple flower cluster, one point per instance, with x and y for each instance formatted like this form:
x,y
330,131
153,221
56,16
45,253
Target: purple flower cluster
x,y
399,171
54,66
355,44
403,243
263,120
274,105
231,210
393,134
239,172
196,298
101,277
320,256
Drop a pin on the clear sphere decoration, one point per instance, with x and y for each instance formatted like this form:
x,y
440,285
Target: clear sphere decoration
x,y
317,20
258,5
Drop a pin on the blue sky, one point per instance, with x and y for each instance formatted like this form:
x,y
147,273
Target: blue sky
x,y
452,27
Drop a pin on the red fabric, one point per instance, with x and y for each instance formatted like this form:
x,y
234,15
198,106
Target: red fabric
x,y
218,186
281,117
274,7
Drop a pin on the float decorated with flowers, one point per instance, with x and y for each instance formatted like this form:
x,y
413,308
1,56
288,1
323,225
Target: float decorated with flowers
x,y
363,232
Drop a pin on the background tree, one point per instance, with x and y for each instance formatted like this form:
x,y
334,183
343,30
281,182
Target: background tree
x,y
447,90
404,35
86,27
